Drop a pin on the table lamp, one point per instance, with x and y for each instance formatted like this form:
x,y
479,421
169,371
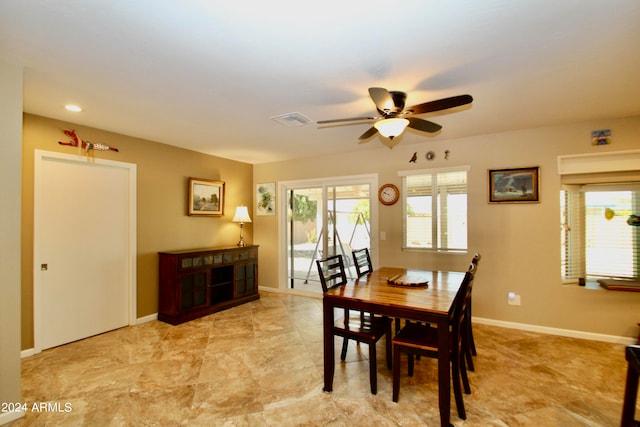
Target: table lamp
x,y
241,216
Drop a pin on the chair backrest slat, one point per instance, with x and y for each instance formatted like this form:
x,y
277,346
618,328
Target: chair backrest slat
x,y
362,261
331,271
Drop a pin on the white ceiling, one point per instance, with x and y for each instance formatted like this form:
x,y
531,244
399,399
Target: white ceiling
x,y
209,74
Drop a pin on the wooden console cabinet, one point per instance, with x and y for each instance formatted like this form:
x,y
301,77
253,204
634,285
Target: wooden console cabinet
x,y
198,282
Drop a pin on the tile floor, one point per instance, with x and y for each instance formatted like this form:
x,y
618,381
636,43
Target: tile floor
x,y
260,364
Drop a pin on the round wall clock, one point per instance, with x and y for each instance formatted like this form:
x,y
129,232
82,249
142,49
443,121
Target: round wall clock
x,y
388,194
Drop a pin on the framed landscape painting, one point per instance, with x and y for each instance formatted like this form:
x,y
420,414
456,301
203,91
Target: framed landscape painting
x,y
518,185
206,197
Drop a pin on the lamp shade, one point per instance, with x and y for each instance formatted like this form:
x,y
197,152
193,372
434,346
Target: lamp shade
x,y
390,128
242,215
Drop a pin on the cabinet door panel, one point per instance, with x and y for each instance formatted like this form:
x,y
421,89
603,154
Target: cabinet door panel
x,y
251,277
241,280
194,290
245,278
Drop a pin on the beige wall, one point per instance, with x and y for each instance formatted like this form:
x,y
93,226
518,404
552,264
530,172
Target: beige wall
x,y
162,174
519,243
10,166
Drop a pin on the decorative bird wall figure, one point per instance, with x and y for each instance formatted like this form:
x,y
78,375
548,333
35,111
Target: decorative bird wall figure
x,y
87,146
414,157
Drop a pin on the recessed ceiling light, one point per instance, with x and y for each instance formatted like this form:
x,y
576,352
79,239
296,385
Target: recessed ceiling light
x,y
74,108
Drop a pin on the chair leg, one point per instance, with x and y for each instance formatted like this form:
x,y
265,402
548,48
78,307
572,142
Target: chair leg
x,y
389,347
469,358
465,378
410,368
457,391
472,343
467,348
396,373
373,373
345,345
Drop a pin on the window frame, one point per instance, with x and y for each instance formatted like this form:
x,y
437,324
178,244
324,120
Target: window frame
x,y
594,168
436,233
574,259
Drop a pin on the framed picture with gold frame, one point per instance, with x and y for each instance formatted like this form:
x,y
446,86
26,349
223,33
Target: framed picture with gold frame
x,y
516,185
206,197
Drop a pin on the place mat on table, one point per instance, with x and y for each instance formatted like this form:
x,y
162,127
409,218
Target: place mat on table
x,y
620,284
413,280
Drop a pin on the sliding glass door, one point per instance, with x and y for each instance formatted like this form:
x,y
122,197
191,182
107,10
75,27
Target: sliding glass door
x,y
325,219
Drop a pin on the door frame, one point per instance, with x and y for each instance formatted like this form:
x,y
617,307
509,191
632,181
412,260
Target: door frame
x,y
40,156
283,209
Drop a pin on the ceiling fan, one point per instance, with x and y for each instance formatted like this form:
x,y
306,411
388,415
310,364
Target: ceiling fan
x,y
394,117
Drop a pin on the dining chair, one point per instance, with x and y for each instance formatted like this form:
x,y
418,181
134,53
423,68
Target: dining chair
x,y
470,349
631,387
362,261
418,339
355,326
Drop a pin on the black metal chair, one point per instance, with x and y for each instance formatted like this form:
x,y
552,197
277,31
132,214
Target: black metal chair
x,y
355,326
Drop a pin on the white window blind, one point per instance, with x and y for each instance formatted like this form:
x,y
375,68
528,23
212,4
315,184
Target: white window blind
x,y
596,239
572,236
435,207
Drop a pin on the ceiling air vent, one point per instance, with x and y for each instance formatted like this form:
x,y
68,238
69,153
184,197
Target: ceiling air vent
x,y
291,119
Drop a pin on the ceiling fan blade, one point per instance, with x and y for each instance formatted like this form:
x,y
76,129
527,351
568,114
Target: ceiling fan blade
x,y
440,104
423,125
399,99
382,98
368,134
324,122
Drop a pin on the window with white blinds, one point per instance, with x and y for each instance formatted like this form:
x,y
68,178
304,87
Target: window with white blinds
x,y
435,209
597,239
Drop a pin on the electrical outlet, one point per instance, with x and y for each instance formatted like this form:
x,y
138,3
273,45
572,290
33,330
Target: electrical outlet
x,y
513,298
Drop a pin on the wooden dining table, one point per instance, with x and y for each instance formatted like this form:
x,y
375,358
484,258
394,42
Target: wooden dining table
x,y
414,300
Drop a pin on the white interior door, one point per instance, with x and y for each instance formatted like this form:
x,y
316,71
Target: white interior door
x,y
84,247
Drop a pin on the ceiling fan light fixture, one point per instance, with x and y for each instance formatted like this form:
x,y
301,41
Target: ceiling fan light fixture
x,y
390,128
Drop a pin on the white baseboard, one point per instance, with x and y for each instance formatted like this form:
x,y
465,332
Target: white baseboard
x,y
557,331
265,289
148,318
28,352
7,417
